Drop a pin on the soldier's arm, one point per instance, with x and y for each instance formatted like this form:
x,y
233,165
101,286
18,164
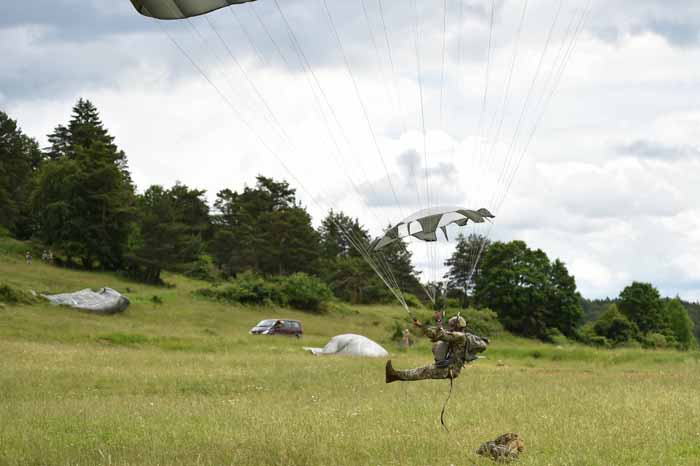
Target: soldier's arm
x,y
436,333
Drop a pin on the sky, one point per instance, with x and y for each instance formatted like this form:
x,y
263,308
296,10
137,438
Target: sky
x,y
576,122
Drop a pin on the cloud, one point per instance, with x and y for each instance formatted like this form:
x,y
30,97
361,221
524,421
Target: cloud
x,y
608,184
677,22
651,150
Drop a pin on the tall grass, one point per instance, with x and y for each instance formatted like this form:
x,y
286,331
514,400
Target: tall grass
x,y
183,383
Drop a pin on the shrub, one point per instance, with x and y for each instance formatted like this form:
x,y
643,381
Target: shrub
x,y
201,269
302,291
12,295
452,303
412,301
655,341
615,326
299,291
483,322
246,288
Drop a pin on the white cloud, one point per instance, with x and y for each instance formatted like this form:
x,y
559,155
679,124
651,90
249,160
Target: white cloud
x,y
608,184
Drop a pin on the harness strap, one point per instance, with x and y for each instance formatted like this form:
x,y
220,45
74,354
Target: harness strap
x,y
444,405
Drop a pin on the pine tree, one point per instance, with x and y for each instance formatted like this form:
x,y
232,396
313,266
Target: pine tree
x,y
19,159
263,229
465,265
84,193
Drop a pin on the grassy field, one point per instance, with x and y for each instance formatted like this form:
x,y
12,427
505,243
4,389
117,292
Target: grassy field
x,y
183,383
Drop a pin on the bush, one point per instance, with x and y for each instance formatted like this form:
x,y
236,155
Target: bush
x,y
615,326
299,291
246,288
453,303
12,295
483,322
412,301
201,269
304,292
655,341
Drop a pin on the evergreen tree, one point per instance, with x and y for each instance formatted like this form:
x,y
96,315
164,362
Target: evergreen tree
x,y
465,266
398,260
340,235
84,193
263,229
563,300
19,158
679,322
164,236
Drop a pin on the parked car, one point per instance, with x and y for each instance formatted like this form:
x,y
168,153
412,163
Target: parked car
x,y
278,327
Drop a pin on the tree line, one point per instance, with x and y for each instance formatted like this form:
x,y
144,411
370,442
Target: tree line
x,y
77,197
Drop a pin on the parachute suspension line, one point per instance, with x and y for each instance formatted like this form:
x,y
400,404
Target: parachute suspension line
x,y
380,69
296,46
360,100
319,110
507,172
416,36
444,48
518,128
399,105
366,254
491,139
304,62
358,245
475,156
572,45
477,138
416,33
506,96
356,241
242,27
558,67
393,68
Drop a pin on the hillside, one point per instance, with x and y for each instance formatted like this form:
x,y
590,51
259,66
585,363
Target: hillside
x,y
183,383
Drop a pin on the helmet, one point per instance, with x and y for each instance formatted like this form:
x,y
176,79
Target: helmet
x,y
457,322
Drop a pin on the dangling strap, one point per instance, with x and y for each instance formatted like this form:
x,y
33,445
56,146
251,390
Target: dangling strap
x,y
444,405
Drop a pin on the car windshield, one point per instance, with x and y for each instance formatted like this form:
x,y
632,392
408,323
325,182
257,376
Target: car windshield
x,y
266,323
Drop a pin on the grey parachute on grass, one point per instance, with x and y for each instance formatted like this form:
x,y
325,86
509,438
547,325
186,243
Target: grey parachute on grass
x,y
424,224
181,9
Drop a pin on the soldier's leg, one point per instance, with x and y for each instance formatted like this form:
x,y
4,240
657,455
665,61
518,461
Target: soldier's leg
x,y
419,373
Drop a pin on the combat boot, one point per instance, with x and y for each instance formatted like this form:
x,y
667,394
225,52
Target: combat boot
x,y
391,375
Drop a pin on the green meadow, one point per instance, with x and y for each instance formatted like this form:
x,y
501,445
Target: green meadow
x,y
183,383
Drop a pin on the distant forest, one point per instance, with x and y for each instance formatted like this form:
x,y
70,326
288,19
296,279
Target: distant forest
x,y
258,245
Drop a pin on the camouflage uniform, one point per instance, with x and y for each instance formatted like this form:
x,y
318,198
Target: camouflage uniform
x,y
505,448
461,345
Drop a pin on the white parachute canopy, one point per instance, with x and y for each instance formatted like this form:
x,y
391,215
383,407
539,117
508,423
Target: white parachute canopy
x,y
425,223
180,9
351,345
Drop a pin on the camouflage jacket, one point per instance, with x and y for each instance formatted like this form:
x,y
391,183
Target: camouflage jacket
x,y
460,344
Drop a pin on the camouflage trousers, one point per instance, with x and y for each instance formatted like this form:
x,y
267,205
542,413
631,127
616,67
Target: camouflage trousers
x,y
427,372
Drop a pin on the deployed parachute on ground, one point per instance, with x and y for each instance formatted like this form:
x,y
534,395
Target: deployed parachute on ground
x,y
408,58
351,345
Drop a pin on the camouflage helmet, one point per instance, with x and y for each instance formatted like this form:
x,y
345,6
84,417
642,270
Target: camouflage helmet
x,y
457,322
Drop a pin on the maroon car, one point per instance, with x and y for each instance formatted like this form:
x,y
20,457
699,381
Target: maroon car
x,y
278,327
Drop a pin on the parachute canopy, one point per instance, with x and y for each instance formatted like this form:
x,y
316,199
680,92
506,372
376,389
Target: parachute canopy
x,y
180,9
424,224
